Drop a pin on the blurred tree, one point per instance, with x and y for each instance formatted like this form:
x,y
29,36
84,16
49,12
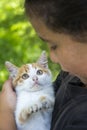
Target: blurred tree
x,y
16,38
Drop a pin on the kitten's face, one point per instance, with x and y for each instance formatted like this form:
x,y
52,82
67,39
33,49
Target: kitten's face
x,y
30,77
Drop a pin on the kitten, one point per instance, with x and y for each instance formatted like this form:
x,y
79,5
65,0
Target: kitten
x,y
35,94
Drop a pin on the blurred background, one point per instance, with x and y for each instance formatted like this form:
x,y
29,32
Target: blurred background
x,y
19,43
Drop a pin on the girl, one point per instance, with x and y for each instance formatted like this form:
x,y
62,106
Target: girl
x,y
63,25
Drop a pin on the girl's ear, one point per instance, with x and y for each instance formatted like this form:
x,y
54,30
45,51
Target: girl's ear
x,y
11,68
43,60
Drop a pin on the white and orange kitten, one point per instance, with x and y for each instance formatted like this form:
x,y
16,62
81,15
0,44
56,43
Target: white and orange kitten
x,y
35,94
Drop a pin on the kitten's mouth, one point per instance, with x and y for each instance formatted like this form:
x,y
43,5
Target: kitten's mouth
x,y
36,84
36,87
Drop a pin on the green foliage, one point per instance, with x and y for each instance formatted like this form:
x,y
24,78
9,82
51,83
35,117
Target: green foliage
x,y
18,41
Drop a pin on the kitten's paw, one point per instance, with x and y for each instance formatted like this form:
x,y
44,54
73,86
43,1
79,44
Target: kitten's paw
x,y
46,103
23,116
34,108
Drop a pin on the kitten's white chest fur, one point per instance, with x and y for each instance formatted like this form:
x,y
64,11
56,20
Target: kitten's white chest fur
x,y
35,94
40,120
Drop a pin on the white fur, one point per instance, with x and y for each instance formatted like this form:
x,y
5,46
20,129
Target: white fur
x,y
28,97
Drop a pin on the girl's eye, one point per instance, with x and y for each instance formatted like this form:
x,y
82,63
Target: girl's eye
x,y
25,76
39,72
54,47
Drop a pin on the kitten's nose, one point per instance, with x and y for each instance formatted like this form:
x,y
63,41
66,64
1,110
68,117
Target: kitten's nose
x,y
35,78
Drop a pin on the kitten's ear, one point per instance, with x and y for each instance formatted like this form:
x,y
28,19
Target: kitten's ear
x,y
11,68
43,60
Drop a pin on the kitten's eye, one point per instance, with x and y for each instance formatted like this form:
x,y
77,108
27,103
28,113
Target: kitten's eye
x,y
39,72
25,76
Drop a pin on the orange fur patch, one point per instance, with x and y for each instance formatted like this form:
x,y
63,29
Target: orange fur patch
x,y
42,98
21,71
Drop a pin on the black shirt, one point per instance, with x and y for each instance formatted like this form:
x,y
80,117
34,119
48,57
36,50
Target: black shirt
x,y
70,109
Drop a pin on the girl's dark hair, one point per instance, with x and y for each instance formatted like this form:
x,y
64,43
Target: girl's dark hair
x,y
68,16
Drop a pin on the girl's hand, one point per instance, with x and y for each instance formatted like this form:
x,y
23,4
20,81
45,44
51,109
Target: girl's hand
x,y
7,107
7,97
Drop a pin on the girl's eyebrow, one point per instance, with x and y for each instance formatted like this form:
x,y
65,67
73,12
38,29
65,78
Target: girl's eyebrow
x,y
46,40
43,39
